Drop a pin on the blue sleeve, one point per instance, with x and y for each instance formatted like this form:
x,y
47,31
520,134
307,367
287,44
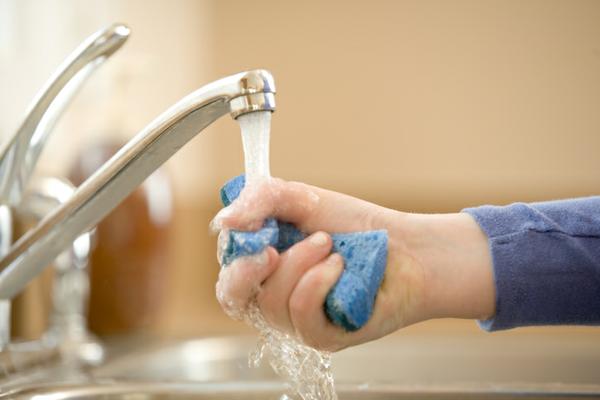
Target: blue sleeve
x,y
546,259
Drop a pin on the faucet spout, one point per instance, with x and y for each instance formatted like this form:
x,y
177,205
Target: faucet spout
x,y
237,94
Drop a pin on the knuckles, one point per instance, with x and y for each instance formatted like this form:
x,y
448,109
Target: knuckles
x,y
322,341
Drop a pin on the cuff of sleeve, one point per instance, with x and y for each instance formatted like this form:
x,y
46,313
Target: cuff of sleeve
x,y
490,221
538,274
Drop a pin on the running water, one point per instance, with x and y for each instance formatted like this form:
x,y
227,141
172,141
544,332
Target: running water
x,y
256,135
306,370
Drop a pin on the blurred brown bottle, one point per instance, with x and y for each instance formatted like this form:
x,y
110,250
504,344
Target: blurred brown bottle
x,y
128,263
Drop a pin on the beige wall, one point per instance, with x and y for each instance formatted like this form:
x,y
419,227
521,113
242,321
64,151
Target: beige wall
x,y
424,106
419,105
427,105
164,59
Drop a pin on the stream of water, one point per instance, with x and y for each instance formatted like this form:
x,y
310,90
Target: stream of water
x,y
307,371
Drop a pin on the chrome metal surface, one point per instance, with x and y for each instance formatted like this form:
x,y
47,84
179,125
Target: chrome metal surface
x,y
220,359
253,102
432,366
127,169
67,328
22,362
273,391
19,156
441,360
6,233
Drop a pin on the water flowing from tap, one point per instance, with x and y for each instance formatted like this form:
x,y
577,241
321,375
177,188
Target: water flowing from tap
x,y
256,132
306,370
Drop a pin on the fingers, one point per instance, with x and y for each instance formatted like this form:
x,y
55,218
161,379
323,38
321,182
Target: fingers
x,y
306,306
268,198
291,288
240,281
275,293
308,207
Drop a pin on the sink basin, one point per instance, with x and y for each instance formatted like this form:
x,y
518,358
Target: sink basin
x,y
269,391
427,366
432,359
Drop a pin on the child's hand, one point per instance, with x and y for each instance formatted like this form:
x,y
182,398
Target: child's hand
x,y
290,288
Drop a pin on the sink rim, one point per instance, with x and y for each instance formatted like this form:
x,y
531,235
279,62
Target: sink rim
x,y
105,387
207,350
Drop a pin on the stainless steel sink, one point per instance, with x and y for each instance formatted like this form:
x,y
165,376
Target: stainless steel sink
x,y
269,391
219,359
432,366
431,359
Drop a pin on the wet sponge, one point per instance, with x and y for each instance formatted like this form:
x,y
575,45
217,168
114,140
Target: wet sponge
x,y
350,302
240,243
232,189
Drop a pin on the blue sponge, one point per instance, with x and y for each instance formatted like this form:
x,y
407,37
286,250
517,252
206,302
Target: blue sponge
x,y
350,302
232,189
241,243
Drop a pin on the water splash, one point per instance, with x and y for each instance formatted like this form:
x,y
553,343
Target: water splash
x,y
306,370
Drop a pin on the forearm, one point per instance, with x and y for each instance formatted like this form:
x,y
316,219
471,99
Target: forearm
x,y
517,265
457,270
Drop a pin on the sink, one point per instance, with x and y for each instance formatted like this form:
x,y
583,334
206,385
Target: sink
x,y
424,366
425,359
220,359
269,391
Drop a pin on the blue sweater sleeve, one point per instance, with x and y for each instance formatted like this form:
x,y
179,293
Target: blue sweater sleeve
x,y
546,259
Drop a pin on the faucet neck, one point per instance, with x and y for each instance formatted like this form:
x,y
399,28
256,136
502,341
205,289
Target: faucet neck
x,y
128,168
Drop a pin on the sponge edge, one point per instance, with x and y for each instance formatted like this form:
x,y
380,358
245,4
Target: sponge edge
x,y
232,189
241,243
350,302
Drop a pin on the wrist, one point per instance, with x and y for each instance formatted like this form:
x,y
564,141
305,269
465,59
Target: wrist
x,y
454,254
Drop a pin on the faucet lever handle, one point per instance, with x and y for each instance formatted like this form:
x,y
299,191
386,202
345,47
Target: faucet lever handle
x,y
19,156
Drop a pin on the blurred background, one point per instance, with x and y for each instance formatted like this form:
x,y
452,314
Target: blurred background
x,y
424,106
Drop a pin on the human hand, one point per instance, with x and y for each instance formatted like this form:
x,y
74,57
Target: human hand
x,y
290,288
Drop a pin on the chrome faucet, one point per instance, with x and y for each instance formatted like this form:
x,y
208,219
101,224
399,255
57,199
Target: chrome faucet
x,y
67,325
235,95
19,155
